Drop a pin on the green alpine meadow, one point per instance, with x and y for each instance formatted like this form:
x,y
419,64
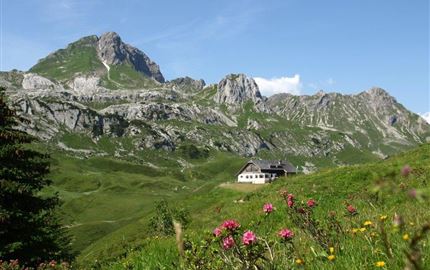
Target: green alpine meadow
x,y
115,154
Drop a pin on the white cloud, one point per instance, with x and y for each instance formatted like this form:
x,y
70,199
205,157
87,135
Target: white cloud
x,y
426,116
285,84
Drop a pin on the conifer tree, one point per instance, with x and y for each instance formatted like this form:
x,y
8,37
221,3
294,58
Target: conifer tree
x,y
29,224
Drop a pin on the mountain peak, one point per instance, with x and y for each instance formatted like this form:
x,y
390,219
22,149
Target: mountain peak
x,y
377,91
237,89
92,55
108,40
380,95
110,35
112,51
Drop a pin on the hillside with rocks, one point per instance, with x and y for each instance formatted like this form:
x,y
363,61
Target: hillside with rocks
x,y
101,87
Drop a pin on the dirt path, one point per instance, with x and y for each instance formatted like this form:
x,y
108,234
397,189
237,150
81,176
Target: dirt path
x,y
95,222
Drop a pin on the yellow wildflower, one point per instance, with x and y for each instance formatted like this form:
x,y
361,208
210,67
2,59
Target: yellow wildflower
x,y
362,229
331,250
331,257
406,237
299,261
354,230
411,223
383,217
380,264
367,223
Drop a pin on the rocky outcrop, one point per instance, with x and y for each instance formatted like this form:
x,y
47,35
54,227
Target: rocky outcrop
x,y
45,118
237,89
33,81
378,99
112,51
187,84
159,111
11,79
85,84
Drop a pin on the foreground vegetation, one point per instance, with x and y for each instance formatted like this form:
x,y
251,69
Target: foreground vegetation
x,y
367,216
30,228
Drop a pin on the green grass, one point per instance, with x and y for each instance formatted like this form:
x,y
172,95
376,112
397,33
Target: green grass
x,y
77,141
124,76
242,187
107,201
78,57
375,189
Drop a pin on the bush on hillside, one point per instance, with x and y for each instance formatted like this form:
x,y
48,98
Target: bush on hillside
x,y
190,151
162,221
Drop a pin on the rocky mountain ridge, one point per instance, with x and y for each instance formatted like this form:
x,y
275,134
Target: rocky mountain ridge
x,y
322,129
112,51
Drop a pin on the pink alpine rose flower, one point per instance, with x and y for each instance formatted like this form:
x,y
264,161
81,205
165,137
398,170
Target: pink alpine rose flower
x,y
286,234
351,209
413,193
228,242
311,203
230,224
268,208
217,232
248,238
406,170
290,200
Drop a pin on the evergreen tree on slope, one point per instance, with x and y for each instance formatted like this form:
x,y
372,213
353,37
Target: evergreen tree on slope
x,y
29,227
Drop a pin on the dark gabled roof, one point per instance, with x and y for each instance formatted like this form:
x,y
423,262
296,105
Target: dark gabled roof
x,y
266,165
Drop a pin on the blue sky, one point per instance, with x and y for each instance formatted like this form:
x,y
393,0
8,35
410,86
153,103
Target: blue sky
x,y
297,46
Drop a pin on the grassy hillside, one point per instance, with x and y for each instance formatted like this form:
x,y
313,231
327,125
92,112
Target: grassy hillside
x,y
108,201
124,76
375,190
78,57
